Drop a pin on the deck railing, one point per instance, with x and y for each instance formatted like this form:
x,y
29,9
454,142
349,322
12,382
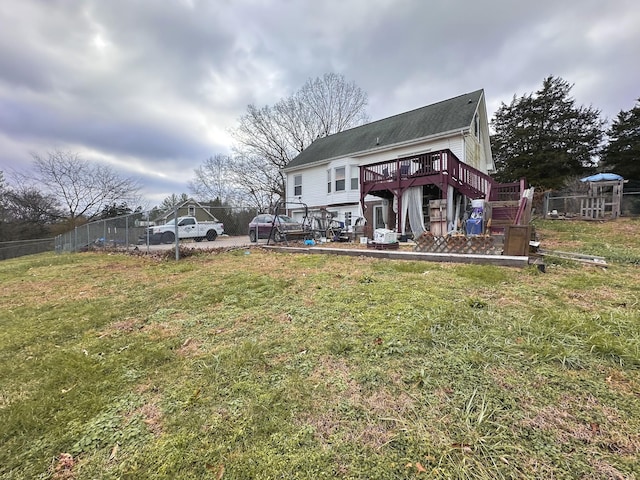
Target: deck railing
x,y
469,180
466,176
407,167
507,191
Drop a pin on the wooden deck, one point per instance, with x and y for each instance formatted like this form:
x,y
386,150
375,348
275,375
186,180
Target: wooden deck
x,y
441,168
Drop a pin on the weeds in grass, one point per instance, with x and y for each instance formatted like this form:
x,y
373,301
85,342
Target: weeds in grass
x,y
304,366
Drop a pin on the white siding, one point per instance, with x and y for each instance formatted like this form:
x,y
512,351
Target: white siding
x,y
473,153
314,179
466,144
455,144
314,185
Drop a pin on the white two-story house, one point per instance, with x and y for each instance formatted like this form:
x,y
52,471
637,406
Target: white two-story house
x,y
387,171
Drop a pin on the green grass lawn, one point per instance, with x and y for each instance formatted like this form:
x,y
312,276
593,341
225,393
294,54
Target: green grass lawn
x,y
254,364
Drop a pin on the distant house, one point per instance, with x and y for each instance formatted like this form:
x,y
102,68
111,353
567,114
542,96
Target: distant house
x,y
190,208
389,170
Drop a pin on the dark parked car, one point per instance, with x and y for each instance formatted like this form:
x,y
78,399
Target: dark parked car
x,y
282,226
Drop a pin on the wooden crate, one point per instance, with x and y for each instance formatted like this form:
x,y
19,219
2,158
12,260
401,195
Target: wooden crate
x,y
438,210
438,228
438,217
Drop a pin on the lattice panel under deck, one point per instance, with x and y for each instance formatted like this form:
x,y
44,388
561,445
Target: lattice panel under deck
x,y
481,244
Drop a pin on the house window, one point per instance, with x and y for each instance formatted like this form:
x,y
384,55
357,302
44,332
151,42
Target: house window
x,y
297,185
355,182
477,125
340,179
192,211
329,181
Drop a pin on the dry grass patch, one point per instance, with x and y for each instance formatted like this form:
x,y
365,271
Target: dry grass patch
x,y
341,417
586,420
189,348
604,470
152,417
162,331
334,374
596,298
620,381
331,426
63,467
126,326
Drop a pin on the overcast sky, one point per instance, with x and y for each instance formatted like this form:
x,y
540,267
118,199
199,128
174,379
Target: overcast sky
x,y
152,87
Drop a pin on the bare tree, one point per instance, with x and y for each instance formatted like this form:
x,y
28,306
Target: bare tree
x,y
3,200
259,184
333,104
213,179
82,188
277,134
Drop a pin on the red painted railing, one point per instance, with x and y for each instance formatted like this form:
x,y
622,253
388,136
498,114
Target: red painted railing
x,y
407,167
451,171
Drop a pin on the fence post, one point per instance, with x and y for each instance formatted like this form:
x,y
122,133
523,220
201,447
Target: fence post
x,y
175,228
545,207
146,231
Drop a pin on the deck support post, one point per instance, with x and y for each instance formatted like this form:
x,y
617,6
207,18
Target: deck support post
x,y
450,206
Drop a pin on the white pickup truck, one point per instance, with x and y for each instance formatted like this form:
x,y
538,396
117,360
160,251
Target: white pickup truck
x,y
188,227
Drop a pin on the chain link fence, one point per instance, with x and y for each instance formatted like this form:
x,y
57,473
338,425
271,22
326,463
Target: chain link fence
x,y
118,232
572,206
20,248
630,206
154,227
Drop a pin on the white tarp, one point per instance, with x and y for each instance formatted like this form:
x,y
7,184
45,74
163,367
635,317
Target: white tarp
x,y
412,206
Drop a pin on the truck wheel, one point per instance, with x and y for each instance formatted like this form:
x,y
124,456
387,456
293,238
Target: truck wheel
x,y
168,237
252,236
212,235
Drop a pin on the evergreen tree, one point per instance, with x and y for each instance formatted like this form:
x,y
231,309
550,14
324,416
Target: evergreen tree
x,y
173,200
622,155
115,210
545,137
27,213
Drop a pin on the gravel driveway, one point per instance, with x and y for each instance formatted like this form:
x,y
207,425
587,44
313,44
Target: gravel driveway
x,y
220,242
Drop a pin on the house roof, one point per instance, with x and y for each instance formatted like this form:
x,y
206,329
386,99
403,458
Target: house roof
x,y
445,116
169,213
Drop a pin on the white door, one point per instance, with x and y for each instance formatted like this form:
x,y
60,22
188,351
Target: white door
x,y
378,217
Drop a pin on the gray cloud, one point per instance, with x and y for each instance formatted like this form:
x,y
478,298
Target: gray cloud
x,y
153,88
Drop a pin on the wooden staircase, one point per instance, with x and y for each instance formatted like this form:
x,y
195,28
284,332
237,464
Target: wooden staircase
x,y
443,169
